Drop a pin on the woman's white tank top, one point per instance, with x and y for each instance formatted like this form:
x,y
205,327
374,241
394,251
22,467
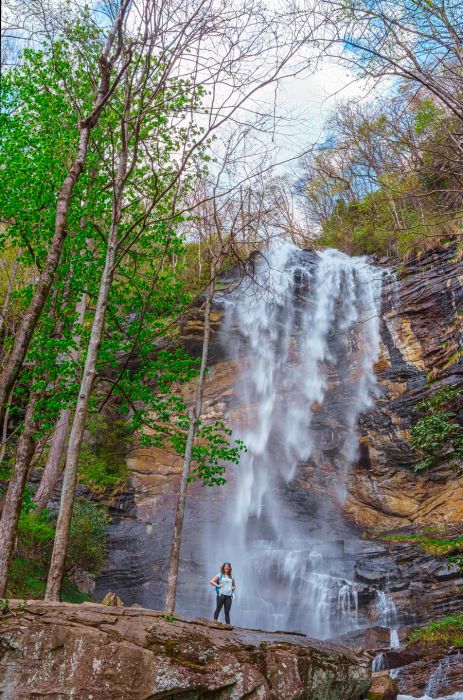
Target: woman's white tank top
x,y
227,584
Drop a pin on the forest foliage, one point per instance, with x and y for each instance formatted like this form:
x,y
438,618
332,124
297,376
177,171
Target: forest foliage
x,y
104,138
388,179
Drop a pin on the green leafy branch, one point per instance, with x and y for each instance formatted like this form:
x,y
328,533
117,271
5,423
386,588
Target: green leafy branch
x,y
437,435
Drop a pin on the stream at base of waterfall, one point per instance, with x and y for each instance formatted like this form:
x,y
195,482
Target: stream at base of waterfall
x,y
455,696
304,331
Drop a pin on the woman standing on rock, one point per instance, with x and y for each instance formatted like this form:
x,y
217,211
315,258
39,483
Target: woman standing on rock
x,y
225,585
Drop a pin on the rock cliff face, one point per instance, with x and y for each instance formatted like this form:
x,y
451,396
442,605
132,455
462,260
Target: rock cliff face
x,y
91,652
422,333
434,673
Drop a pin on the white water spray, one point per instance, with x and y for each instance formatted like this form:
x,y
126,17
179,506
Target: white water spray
x,y
387,616
454,696
305,333
437,682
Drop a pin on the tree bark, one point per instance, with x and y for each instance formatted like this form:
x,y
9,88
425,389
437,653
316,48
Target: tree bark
x,y
174,560
29,321
52,467
9,291
13,498
3,442
63,525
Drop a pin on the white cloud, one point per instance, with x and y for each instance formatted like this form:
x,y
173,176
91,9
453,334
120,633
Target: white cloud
x,y
307,101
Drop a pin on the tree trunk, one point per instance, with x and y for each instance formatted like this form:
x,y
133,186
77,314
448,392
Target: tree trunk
x,y
31,316
9,291
3,442
63,525
174,561
14,494
52,467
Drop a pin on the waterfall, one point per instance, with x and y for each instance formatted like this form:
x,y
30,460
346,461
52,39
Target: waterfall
x,y
304,333
387,616
438,679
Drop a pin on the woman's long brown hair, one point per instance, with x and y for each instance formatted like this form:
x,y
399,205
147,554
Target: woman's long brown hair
x,y
223,567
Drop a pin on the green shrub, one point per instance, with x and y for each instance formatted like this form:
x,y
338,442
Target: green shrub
x,y
102,464
438,546
28,580
100,472
448,630
437,435
35,536
87,538
87,549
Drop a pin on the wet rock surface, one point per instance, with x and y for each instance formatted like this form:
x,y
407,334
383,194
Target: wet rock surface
x,y
422,586
92,652
436,674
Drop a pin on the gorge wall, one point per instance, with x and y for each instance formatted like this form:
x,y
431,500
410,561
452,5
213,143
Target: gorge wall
x,y
422,339
390,584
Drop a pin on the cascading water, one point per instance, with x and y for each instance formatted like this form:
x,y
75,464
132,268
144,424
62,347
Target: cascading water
x,y
437,682
438,679
305,335
387,616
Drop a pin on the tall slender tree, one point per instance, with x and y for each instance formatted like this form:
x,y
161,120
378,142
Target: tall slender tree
x,y
174,559
112,64
52,468
230,223
13,498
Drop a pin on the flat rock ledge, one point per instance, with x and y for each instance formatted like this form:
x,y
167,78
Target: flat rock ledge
x,y
94,652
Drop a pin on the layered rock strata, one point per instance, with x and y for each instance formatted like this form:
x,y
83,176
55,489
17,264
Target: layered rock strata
x,y
92,652
422,350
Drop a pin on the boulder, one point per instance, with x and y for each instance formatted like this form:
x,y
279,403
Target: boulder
x,y
113,600
375,637
383,687
92,652
396,658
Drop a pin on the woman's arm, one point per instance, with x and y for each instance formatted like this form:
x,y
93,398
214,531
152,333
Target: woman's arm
x,y
214,581
233,585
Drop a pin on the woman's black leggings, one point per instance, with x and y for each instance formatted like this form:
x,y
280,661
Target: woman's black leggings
x,y
224,601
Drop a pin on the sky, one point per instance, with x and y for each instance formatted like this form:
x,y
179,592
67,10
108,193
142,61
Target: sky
x,y
302,106
309,100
